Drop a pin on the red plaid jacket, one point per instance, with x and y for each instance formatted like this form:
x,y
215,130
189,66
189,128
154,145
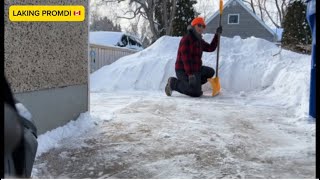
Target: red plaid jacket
x,y
190,52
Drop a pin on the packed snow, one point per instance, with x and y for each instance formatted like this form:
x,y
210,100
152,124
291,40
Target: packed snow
x,y
257,127
246,65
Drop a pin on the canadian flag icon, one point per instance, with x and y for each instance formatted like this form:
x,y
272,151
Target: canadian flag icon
x,y
76,13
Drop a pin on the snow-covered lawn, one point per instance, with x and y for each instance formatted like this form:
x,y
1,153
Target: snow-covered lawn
x,y
256,128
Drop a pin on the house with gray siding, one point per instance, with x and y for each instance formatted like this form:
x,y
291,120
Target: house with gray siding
x,y
238,20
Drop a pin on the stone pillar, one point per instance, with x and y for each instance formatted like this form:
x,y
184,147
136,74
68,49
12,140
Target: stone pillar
x,y
46,65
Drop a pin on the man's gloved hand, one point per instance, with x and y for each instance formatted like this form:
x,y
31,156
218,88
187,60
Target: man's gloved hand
x,y
192,80
219,30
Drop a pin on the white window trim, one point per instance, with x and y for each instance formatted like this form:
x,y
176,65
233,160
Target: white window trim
x,y
233,15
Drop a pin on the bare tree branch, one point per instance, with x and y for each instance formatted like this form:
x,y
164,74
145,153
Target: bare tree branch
x,y
278,9
146,9
266,13
283,8
204,7
247,2
251,5
260,9
269,16
165,15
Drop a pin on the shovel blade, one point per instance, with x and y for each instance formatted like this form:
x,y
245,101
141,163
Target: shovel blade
x,y
215,85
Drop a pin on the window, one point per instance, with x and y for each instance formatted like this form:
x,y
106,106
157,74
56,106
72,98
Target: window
x,y
233,18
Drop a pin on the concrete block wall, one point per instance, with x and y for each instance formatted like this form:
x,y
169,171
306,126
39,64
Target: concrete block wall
x,y
46,65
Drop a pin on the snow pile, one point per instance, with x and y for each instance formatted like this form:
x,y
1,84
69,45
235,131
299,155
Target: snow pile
x,y
76,128
83,124
145,70
246,65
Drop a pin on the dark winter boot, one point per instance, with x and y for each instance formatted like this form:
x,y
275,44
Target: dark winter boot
x,y
170,86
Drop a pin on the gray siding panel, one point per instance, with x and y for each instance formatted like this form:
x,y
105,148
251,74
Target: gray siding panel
x,y
55,107
248,26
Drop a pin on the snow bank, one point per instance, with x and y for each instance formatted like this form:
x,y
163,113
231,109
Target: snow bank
x,y
246,65
146,70
76,128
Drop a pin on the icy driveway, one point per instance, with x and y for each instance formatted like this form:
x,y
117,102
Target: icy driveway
x,y
149,135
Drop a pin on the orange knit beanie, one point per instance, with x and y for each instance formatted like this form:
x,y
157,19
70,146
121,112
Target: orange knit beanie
x,y
198,20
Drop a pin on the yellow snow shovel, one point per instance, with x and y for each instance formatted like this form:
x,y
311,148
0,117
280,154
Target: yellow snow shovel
x,y
215,83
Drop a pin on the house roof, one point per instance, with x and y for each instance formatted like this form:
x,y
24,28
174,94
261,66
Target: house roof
x,y
247,9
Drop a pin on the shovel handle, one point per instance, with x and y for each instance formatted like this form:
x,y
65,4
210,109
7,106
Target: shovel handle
x,y
218,48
